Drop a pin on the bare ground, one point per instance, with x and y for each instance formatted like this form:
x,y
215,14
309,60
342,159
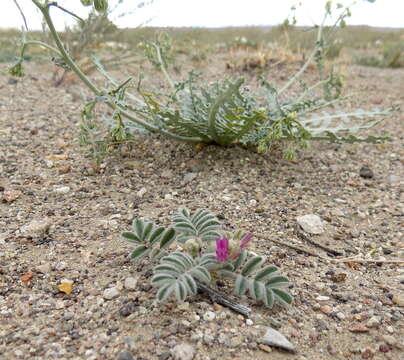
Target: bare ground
x,y
44,176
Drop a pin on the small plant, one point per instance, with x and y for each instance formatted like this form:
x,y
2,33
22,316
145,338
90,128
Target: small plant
x,y
203,253
225,113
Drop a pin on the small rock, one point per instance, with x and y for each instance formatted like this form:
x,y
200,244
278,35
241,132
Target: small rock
x,y
384,348
389,340
358,328
322,298
61,189
168,197
125,355
12,81
130,283
394,179
111,293
141,192
367,353
209,316
366,172
326,309
311,223
36,228
341,316
265,348
167,174
128,308
249,322
373,322
183,352
68,315
11,195
275,338
189,177
44,268
398,299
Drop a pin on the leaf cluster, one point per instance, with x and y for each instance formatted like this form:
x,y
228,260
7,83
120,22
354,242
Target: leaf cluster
x,y
180,268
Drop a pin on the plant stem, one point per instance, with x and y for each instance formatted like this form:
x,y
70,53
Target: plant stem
x,y
307,63
44,8
162,66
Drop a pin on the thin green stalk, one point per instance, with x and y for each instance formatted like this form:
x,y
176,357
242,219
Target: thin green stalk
x,y
41,44
307,63
162,66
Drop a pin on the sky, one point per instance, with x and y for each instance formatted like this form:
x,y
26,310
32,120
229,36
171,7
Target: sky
x,y
213,13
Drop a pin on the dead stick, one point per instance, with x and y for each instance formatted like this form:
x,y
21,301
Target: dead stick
x,y
361,260
307,238
291,246
223,300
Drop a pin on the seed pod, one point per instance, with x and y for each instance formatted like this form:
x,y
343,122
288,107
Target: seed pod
x,y
86,2
101,5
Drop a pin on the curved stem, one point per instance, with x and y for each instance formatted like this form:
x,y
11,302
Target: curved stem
x,y
44,8
64,53
41,44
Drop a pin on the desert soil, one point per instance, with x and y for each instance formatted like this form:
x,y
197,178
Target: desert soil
x,y
61,218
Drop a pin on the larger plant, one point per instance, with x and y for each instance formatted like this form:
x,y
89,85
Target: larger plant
x,y
224,113
195,249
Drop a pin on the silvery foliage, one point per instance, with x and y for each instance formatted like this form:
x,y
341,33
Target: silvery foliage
x,y
180,268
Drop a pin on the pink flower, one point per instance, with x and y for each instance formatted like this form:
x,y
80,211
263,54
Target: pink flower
x,y
222,248
245,240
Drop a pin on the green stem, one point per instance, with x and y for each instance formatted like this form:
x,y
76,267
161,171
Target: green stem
x,y
162,66
309,60
44,8
41,44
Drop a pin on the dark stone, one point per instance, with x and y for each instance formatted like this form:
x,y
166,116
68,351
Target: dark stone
x,y
12,81
128,308
366,172
125,355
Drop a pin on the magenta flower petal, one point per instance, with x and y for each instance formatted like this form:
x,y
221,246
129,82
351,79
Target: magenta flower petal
x,y
245,240
222,249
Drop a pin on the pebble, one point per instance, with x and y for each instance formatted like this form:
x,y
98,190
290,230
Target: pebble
x,y
322,298
61,189
326,309
141,192
275,338
265,348
389,340
249,322
68,315
183,352
341,316
366,172
209,316
111,293
125,355
311,223
373,322
128,308
189,177
44,268
398,299
358,328
36,228
130,283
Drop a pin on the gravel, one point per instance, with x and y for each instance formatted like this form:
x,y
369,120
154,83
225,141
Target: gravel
x,y
48,235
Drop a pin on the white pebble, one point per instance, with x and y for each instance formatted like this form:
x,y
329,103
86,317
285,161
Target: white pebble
x,y
209,316
61,189
130,283
111,293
